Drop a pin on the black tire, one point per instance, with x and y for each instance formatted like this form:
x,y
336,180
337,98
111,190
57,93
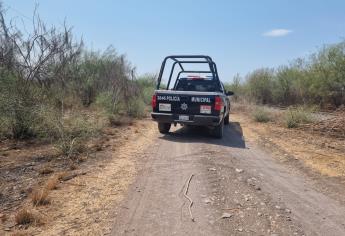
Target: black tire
x,y
219,130
164,127
227,119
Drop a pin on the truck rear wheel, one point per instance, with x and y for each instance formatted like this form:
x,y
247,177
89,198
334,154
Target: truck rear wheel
x,y
164,127
218,130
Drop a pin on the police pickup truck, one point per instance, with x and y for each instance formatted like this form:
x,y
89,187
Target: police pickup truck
x,y
197,97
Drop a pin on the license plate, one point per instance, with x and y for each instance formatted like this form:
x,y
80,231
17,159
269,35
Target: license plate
x,y
183,118
205,109
164,107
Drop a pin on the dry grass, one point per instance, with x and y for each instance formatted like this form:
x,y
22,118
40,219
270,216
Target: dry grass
x,y
40,197
61,175
120,121
45,170
260,114
320,153
20,234
25,217
242,106
294,117
3,217
118,172
73,166
52,183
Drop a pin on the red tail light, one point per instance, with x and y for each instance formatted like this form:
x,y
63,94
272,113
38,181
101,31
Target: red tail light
x,y
154,101
218,103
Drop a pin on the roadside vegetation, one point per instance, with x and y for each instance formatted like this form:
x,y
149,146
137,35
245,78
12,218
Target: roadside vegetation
x,y
317,80
62,98
52,87
293,95
290,117
261,114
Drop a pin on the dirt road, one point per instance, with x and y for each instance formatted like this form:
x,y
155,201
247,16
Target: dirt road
x,y
238,188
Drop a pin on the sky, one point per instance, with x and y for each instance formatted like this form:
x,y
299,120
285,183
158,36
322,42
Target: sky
x,y
239,35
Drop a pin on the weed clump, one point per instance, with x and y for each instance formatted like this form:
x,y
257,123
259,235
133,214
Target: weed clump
x,y
45,170
25,217
294,117
52,183
40,197
261,115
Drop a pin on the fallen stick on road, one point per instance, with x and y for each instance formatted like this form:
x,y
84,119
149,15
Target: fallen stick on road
x,y
69,177
189,199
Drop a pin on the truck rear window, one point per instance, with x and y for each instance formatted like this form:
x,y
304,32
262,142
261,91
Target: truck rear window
x,y
197,85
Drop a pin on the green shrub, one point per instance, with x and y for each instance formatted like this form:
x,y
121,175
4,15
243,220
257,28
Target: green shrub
x,y
136,107
261,115
147,93
318,79
69,146
72,133
19,105
296,116
147,83
110,102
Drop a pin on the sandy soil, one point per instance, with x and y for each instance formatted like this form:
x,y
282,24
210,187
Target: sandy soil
x,y
325,155
260,179
319,158
260,187
80,206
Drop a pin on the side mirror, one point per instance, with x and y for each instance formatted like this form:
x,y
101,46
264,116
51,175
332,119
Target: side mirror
x,y
229,93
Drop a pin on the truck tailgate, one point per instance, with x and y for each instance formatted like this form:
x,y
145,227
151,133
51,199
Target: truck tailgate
x,y
186,102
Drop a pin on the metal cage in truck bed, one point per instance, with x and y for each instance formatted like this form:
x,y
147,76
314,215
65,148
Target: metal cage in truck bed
x,y
181,60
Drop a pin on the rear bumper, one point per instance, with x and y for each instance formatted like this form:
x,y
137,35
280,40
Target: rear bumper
x,y
193,119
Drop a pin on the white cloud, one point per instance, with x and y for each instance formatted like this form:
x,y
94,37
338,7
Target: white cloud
x,y
277,33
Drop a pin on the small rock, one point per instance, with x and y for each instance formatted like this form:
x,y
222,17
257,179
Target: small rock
x,y
212,169
239,170
278,207
287,210
207,201
259,214
240,230
226,215
7,229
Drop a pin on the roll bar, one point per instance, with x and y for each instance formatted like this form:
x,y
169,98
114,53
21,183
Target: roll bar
x,y
191,59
